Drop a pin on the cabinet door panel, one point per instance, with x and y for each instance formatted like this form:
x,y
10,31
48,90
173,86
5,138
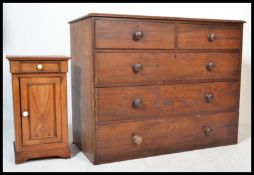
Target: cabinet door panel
x,y
40,97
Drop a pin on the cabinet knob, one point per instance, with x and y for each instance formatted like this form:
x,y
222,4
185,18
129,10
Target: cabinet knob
x,y
211,37
137,67
137,139
39,66
208,130
137,35
137,103
25,114
210,66
209,98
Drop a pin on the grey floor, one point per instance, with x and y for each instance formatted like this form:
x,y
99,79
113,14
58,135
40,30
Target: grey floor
x,y
225,158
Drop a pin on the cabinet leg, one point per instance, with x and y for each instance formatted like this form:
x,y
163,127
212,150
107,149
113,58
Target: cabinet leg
x,y
21,157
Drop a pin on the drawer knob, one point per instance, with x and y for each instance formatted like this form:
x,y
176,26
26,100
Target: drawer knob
x,y
211,37
137,35
39,66
137,67
25,114
137,139
208,130
137,103
208,98
210,66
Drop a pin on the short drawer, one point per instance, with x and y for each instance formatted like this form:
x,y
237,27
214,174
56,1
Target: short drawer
x,y
122,103
199,36
133,34
38,66
140,68
151,137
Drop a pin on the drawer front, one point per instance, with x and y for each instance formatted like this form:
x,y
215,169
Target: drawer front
x,y
140,68
143,138
134,34
193,36
121,103
38,66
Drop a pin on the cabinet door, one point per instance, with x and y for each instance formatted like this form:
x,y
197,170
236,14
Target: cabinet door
x,y
41,110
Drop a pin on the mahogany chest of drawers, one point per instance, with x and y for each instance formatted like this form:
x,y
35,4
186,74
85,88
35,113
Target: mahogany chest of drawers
x,y
144,86
40,106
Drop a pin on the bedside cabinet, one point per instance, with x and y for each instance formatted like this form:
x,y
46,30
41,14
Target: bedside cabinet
x,y
40,106
145,86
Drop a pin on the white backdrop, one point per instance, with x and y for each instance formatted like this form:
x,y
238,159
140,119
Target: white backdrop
x,y
43,29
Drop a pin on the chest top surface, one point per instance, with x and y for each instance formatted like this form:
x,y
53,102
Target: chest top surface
x,y
89,15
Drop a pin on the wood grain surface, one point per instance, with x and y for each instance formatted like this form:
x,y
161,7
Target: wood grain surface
x,y
40,97
192,36
32,66
116,68
114,142
116,104
124,16
119,34
83,87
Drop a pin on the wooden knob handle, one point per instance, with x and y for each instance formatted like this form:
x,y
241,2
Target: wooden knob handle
x,y
211,37
210,66
39,66
137,103
208,130
137,67
137,139
137,35
209,98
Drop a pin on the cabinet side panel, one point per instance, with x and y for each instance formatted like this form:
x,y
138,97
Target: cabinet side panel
x,y
83,86
240,75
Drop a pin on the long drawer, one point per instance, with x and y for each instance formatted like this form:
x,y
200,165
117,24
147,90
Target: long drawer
x,y
151,137
140,68
121,103
133,34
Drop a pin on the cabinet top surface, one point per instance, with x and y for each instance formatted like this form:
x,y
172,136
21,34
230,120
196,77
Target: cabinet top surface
x,y
154,18
37,58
